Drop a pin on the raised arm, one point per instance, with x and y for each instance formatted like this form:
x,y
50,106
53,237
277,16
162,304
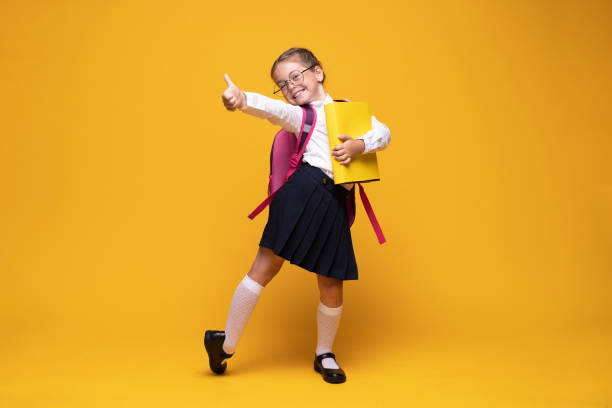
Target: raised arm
x,y
279,113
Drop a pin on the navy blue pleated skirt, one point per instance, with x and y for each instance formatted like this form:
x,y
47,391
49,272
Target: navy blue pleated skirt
x,y
308,225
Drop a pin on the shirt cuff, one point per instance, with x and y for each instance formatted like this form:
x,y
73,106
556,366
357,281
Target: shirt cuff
x,y
249,99
376,139
367,141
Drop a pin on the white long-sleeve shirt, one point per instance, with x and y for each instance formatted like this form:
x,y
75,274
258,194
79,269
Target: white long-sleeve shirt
x,y
316,153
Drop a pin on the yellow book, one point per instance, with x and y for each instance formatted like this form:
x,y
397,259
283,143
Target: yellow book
x,y
352,119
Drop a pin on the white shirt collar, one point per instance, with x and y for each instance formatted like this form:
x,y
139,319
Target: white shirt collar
x,y
328,99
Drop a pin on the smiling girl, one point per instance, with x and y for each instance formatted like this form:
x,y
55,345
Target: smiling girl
x,y
307,222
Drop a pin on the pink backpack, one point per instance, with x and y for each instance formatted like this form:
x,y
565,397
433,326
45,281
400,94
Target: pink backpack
x,y
285,158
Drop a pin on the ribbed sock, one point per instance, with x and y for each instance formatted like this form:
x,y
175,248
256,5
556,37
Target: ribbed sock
x,y
328,319
244,301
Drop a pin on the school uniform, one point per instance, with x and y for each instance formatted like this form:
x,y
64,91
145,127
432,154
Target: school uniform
x,y
307,220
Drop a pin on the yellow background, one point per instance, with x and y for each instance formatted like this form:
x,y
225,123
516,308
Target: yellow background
x,y
126,185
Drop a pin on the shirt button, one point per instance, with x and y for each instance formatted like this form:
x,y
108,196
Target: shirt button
x,y
324,181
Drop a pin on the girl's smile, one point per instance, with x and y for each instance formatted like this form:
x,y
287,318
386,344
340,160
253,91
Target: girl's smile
x,y
298,95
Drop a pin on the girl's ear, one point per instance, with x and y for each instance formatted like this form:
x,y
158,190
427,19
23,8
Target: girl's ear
x,y
319,74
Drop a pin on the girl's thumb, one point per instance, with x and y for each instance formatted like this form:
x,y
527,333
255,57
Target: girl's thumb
x,y
228,81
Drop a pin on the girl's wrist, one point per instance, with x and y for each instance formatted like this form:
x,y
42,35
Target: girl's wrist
x,y
361,145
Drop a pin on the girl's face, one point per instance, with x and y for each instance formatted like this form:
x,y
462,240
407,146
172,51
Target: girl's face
x,y
301,92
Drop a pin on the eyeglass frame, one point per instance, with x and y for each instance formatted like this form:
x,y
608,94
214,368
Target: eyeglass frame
x,y
286,83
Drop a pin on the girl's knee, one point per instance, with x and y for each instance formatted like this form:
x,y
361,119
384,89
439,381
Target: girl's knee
x,y
262,274
265,267
269,256
329,283
259,278
330,290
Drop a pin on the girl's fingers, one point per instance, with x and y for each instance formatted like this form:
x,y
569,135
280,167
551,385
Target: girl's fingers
x,y
342,157
340,147
229,106
229,92
229,101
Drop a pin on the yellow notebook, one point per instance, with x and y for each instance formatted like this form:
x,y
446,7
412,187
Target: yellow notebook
x,y
352,119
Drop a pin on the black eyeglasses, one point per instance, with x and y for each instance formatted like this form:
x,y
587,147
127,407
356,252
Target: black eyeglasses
x,y
295,78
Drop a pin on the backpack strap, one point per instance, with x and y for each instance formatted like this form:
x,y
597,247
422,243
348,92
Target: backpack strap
x,y
371,216
350,209
309,118
308,123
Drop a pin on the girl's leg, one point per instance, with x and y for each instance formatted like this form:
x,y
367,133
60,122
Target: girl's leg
x,y
330,290
328,316
264,268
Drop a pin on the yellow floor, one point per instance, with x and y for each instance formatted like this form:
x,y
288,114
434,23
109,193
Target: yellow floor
x,y
544,371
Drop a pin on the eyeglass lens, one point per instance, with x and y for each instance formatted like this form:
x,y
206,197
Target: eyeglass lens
x,y
295,78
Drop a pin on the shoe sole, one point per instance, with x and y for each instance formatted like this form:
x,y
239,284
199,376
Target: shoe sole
x,y
329,380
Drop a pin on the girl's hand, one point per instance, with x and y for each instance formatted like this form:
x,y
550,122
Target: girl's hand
x,y
232,97
345,152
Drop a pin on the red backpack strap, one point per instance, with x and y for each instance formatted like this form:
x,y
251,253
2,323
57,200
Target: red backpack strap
x,y
308,124
309,119
371,216
350,209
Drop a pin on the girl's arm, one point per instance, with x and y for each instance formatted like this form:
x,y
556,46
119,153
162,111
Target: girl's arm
x,y
289,117
279,113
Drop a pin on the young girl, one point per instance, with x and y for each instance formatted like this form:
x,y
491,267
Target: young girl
x,y
307,221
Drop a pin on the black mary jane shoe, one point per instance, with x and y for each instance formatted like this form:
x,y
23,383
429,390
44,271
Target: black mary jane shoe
x,y
331,375
213,341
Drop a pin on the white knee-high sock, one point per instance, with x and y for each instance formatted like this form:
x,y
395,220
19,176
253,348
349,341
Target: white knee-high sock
x,y
328,319
244,301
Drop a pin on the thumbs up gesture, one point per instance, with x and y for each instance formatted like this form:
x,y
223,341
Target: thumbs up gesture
x,y
232,97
